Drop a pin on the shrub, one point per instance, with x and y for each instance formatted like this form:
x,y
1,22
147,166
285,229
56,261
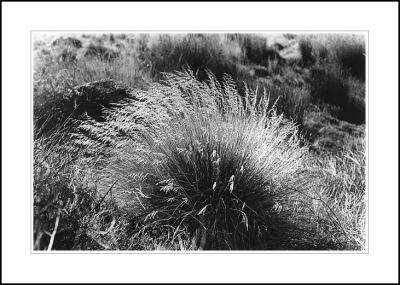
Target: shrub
x,y
198,157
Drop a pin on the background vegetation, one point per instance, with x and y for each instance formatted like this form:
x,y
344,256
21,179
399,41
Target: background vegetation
x,y
199,141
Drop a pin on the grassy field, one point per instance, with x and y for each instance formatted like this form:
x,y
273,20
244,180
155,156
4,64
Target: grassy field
x,y
199,142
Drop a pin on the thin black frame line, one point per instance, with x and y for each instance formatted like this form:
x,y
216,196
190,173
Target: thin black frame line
x,y
367,141
205,30
203,252
32,145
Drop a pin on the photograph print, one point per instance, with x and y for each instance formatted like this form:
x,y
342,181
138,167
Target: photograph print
x,y
188,141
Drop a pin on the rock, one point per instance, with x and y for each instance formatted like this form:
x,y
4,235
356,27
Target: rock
x,y
93,97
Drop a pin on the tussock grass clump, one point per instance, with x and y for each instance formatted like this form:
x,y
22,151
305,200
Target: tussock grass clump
x,y
199,157
290,99
255,50
67,55
347,51
102,52
197,51
68,41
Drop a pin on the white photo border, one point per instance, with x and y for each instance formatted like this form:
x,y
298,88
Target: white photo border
x,y
378,264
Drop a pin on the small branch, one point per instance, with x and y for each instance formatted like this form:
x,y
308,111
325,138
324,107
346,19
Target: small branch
x,y
62,166
37,241
54,231
182,248
203,233
203,239
102,199
327,206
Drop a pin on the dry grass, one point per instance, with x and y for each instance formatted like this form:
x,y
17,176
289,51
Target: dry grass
x,y
197,158
191,164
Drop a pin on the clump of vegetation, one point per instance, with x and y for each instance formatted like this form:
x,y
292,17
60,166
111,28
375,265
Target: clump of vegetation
x,y
331,85
67,55
68,41
197,51
101,52
90,99
256,50
202,159
306,51
56,84
327,86
290,99
344,51
350,54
